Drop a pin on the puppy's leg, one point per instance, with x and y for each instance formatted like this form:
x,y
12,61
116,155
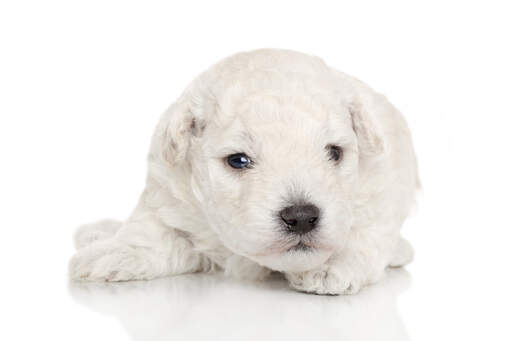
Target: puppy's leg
x,y
88,234
403,254
361,262
142,248
240,267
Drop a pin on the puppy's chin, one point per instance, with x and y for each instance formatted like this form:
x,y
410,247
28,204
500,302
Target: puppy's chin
x,y
296,259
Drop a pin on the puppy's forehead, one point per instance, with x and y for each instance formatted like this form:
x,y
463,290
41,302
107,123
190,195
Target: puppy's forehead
x,y
267,97
267,112
264,109
265,120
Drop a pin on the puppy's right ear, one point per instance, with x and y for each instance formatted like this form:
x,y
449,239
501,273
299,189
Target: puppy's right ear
x,y
177,132
177,126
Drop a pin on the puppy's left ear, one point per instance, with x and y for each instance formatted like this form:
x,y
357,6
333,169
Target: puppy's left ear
x,y
365,108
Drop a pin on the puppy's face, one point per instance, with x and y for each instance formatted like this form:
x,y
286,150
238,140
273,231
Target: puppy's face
x,y
275,177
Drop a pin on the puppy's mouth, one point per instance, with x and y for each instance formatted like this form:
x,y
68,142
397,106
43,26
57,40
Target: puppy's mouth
x,y
297,245
304,243
302,247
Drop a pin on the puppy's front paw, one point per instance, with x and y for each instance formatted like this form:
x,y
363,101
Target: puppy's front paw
x,y
110,262
339,276
325,281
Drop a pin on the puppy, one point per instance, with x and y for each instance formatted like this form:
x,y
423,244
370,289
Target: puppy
x,y
269,161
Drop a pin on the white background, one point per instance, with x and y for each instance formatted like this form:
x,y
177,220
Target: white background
x,y
82,85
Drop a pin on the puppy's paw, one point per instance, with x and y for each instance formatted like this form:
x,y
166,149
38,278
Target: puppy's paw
x,y
325,281
339,276
110,262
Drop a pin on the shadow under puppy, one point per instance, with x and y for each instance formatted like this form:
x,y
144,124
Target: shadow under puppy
x,y
269,161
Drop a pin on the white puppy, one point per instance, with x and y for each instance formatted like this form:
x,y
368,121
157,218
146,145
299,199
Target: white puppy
x,y
270,160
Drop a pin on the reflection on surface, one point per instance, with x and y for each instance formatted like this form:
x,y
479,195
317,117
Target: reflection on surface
x,y
212,307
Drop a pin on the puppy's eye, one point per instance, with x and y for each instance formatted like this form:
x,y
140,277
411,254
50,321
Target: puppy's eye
x,y
239,161
335,152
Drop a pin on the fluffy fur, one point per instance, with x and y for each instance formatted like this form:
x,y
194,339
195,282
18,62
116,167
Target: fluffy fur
x,y
282,108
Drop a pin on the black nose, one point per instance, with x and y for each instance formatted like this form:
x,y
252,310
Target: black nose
x,y
300,219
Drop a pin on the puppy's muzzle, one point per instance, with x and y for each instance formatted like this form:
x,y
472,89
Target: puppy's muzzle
x,y
300,219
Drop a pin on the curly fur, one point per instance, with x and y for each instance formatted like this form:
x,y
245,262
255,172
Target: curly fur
x,y
282,108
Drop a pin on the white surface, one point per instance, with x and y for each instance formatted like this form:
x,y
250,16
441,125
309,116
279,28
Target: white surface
x,y
202,306
82,86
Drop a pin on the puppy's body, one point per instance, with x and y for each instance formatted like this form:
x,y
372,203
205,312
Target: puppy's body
x,y
287,113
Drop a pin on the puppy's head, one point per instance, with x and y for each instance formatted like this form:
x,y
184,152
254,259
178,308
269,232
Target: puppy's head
x,y
274,156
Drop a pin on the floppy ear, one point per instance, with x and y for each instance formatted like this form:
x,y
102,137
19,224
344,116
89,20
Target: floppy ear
x,y
177,133
364,108
177,126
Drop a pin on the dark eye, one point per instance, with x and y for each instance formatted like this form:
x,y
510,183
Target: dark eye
x,y
239,161
335,152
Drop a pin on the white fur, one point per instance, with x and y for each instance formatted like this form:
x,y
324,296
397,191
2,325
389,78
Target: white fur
x,y
281,108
